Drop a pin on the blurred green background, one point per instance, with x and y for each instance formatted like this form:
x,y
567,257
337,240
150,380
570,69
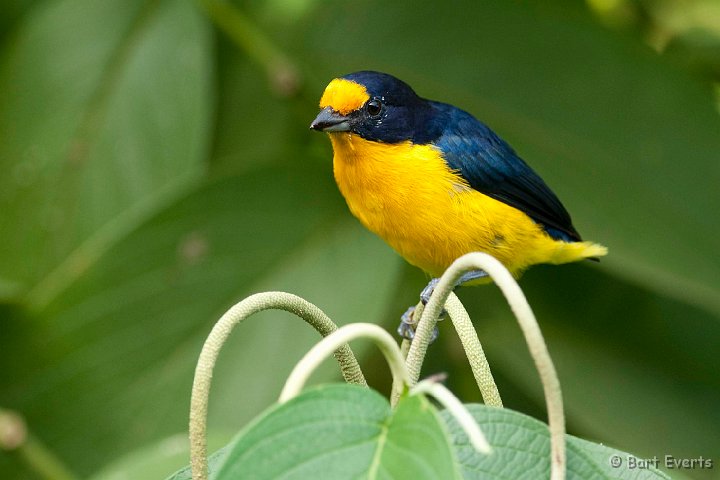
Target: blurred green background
x,y
157,167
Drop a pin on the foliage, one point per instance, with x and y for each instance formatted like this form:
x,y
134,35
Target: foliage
x,y
301,439
153,175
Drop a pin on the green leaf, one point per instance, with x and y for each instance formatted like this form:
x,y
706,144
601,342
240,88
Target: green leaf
x,y
341,431
100,127
345,431
521,450
417,444
114,355
10,13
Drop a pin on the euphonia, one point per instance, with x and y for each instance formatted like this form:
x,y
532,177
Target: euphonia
x,y
435,183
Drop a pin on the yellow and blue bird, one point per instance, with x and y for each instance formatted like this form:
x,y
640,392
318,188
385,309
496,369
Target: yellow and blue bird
x,y
435,183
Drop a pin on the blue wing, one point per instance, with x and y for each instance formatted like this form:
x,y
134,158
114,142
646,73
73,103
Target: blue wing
x,y
492,167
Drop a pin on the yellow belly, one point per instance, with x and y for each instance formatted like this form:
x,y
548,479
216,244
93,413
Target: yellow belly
x,y
408,196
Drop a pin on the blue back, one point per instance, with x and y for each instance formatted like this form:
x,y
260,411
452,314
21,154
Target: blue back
x,y
492,167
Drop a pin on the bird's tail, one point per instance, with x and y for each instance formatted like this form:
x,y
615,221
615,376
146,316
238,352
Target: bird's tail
x,y
572,252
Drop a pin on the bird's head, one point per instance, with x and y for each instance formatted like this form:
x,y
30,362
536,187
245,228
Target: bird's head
x,y
376,106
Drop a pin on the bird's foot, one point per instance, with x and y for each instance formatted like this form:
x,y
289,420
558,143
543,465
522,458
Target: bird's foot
x,y
408,323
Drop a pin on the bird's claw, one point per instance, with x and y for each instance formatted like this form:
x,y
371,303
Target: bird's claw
x,y
408,324
406,329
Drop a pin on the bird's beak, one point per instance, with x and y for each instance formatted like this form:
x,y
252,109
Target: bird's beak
x,y
328,120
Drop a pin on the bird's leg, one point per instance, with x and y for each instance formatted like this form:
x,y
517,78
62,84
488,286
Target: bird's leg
x,y
406,329
470,276
408,323
428,291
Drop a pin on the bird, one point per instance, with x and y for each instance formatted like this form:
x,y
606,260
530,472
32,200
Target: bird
x,y
436,183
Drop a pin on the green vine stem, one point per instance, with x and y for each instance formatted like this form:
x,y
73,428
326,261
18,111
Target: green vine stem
x,y
342,336
473,351
529,326
405,347
405,344
211,349
472,346
14,437
427,321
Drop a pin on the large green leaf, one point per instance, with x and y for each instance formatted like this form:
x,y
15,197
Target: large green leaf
x,y
345,431
341,431
10,13
104,109
272,134
521,450
113,356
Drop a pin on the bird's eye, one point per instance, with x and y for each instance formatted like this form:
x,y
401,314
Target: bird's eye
x,y
374,107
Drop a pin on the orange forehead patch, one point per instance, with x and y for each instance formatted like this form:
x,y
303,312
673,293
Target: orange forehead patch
x,y
344,96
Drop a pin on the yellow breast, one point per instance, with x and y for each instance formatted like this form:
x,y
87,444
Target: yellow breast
x,y
408,196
